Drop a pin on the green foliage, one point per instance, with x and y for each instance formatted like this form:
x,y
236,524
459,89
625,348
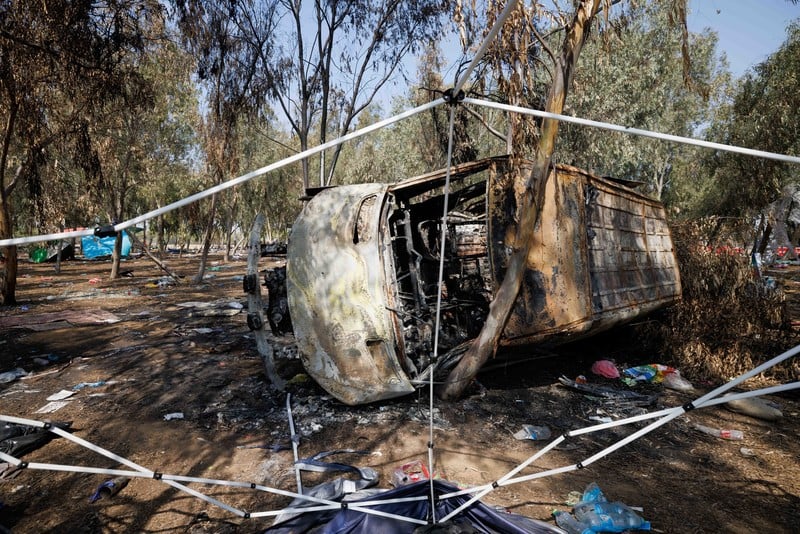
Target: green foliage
x,y
168,143
60,64
386,156
763,113
275,194
632,74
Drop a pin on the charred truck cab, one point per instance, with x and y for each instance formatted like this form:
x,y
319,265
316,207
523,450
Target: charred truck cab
x,y
363,266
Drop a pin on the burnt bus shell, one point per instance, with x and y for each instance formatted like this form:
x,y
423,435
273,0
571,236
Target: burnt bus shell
x,y
363,264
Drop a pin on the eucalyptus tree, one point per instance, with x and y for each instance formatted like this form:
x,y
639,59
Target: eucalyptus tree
x,y
762,114
336,56
232,41
632,74
145,138
59,60
276,195
386,156
170,168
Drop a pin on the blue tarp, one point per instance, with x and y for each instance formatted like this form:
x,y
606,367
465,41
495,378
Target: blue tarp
x,y
96,247
478,518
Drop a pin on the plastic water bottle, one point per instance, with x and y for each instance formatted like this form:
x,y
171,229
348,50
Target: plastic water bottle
x,y
609,517
720,433
569,523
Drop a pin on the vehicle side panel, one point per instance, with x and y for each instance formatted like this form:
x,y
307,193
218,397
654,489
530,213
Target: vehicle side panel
x,y
555,295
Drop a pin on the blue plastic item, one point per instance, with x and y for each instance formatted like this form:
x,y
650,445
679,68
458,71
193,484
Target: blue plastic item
x,y
109,488
608,517
99,247
595,514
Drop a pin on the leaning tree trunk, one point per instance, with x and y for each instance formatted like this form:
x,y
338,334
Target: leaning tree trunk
x,y
528,212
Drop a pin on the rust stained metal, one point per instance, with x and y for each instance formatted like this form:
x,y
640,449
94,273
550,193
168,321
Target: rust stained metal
x,y
603,255
362,269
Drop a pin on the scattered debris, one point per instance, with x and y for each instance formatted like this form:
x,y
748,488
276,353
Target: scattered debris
x,y
75,318
656,373
51,407
607,393
109,488
203,330
10,376
600,419
533,433
164,281
298,379
95,293
675,381
720,433
61,395
755,407
212,309
605,368
573,498
653,372
18,440
747,452
410,473
275,447
594,513
99,383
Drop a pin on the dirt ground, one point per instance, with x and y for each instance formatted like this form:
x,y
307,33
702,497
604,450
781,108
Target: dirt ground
x,y
187,349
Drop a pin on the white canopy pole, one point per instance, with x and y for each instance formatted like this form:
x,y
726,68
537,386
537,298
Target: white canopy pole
x,y
635,131
462,80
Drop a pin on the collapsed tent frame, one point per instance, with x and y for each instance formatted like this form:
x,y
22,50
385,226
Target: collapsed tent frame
x,y
179,481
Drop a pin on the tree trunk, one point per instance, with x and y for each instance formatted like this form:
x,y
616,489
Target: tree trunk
x,y
255,307
162,244
528,213
58,255
228,244
8,267
158,262
209,233
116,255
228,230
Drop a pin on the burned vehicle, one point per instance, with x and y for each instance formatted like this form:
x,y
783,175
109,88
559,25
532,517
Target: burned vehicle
x,y
363,269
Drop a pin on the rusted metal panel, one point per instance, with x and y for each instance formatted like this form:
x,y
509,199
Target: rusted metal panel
x,y
631,257
602,255
554,299
337,295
